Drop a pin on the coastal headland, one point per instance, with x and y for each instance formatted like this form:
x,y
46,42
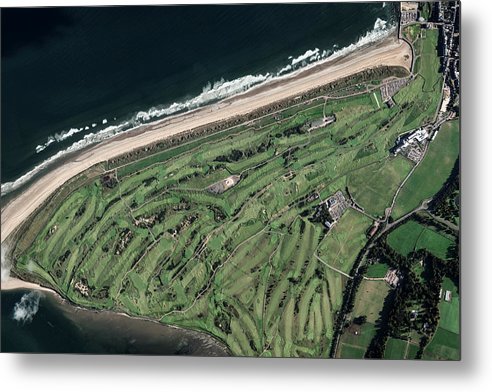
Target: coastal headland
x,y
389,52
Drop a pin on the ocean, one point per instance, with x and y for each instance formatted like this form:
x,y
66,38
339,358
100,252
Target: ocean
x,y
76,75
40,322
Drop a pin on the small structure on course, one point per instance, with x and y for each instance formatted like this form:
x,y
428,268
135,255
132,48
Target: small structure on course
x,y
225,184
330,210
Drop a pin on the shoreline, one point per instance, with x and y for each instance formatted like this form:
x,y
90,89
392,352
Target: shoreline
x,y
370,39
12,284
388,52
16,284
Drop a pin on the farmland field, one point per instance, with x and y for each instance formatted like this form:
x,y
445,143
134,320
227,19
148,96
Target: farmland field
x,y
370,298
396,349
412,236
354,341
449,311
368,304
445,345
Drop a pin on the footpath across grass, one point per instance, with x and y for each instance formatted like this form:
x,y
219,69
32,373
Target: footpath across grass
x,y
432,172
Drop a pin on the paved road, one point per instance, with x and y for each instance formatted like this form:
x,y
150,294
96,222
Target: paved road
x,y
449,224
423,206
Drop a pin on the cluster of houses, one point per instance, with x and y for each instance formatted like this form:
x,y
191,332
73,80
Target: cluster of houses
x,y
408,12
449,50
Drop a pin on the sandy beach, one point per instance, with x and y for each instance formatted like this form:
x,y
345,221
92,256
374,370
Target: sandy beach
x,y
391,52
14,283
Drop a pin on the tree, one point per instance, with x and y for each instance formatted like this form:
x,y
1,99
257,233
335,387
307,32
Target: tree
x,y
360,320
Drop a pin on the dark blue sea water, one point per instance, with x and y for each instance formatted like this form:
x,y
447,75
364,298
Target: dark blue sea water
x,y
39,322
65,69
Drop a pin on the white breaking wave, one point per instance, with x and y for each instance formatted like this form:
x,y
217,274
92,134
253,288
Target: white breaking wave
x,y
309,53
219,90
210,93
87,140
27,307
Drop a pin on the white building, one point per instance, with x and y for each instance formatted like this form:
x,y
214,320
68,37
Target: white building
x,y
418,136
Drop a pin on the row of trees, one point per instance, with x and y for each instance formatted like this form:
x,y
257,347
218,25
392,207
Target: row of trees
x,y
445,203
415,292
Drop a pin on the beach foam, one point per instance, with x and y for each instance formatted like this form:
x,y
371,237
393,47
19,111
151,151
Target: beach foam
x,y
211,93
27,307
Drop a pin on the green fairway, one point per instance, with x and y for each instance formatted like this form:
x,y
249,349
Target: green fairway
x,y
434,170
424,93
374,186
412,236
342,244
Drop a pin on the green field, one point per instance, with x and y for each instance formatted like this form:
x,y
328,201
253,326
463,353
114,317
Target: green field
x,y
147,237
449,312
445,345
374,186
396,349
434,170
370,299
342,244
354,345
351,352
369,303
412,236
377,270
